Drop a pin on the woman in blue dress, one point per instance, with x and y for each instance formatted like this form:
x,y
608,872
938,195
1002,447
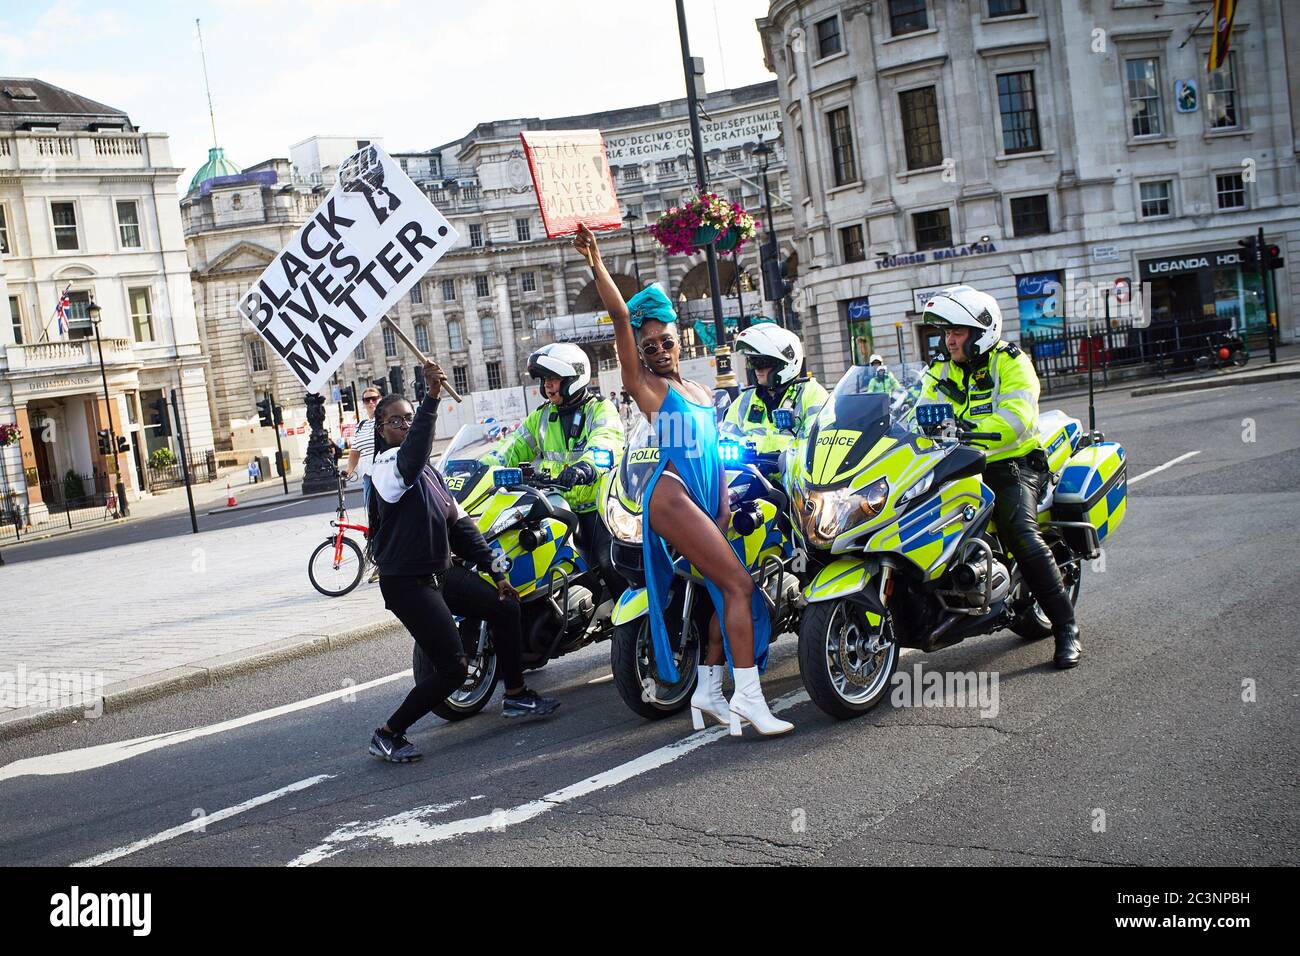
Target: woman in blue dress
x,y
686,505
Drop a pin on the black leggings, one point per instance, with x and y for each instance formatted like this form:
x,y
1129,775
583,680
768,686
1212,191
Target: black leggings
x,y
427,613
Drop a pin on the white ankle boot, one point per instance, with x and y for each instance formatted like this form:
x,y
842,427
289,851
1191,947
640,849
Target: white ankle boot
x,y
748,706
708,697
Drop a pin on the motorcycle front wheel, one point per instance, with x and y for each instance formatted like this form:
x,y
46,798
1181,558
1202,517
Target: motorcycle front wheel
x,y
845,662
636,676
473,695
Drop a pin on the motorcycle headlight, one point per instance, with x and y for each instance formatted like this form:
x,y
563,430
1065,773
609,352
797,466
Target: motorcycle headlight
x,y
622,524
506,519
826,515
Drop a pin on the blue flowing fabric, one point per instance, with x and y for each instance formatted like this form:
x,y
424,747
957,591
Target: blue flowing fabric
x,y
687,436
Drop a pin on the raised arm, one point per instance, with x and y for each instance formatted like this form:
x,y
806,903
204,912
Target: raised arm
x,y
635,380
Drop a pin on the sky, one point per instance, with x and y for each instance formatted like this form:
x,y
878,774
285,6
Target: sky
x,y
417,74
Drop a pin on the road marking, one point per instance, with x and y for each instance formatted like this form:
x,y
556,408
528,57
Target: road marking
x,y
408,829
1160,468
91,758
601,680
201,823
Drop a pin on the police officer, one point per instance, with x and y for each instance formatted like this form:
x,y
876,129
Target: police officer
x,y
992,386
560,437
883,380
775,356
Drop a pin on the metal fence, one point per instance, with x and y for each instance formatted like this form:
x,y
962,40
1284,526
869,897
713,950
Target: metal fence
x,y
203,468
1060,357
69,502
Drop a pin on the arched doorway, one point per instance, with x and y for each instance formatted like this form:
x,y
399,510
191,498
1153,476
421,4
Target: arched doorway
x,y
588,299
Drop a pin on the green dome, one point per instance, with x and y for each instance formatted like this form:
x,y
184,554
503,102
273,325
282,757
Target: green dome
x,y
217,165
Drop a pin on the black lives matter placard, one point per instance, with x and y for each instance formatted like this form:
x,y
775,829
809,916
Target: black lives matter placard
x,y
573,180
372,239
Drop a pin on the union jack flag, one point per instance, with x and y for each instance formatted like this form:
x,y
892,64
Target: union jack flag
x,y
64,311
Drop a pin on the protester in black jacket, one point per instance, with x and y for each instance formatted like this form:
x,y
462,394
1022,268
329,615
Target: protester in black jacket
x,y
416,525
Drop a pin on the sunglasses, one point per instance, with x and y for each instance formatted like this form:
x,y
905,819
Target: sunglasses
x,y
398,420
370,399
650,348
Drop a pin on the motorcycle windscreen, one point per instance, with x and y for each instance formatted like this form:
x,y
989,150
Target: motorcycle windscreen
x,y
848,428
640,458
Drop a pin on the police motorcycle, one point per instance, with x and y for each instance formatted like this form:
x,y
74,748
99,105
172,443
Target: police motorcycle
x,y
525,520
760,532
899,529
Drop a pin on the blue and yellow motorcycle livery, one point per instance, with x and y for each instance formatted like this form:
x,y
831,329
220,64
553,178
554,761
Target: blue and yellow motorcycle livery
x,y
899,530
761,534
531,529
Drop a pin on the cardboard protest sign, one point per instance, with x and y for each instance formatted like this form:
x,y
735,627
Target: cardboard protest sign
x,y
573,181
373,238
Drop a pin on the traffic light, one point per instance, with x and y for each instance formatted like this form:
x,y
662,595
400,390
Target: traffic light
x,y
1249,251
1273,257
349,397
105,445
265,412
775,286
123,446
417,380
161,420
382,385
279,415
395,379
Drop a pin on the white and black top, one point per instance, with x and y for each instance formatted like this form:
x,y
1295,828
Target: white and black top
x,y
421,524
363,443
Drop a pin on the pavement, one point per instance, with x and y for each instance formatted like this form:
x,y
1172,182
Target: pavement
x,y
1173,743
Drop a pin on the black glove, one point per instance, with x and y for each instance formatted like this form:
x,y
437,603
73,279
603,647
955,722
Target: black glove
x,y
580,474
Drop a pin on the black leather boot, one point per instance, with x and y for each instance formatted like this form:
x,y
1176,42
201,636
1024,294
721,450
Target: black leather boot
x,y
1068,648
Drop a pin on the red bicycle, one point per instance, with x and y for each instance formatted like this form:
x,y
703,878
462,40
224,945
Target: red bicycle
x,y
338,563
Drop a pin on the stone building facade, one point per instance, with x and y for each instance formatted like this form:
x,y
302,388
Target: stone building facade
x,y
1011,143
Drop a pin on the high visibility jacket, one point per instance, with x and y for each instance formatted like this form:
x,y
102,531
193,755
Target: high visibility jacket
x,y
541,440
1000,394
883,383
749,414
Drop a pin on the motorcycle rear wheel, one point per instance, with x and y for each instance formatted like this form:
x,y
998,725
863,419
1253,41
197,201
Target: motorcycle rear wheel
x,y
1033,624
841,675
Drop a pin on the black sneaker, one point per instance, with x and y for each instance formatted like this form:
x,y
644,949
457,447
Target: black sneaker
x,y
528,704
394,748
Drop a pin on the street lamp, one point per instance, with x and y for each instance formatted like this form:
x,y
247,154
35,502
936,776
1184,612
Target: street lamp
x,y
93,311
764,153
631,232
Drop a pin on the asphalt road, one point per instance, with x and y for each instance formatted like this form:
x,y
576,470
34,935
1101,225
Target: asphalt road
x,y
1172,744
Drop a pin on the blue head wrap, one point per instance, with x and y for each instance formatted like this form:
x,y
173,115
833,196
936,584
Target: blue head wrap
x,y
650,304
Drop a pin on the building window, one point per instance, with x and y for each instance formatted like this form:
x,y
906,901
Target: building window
x,y
907,16
922,141
734,197
634,210
257,354
481,288
460,378
1019,113
528,281
523,230
494,374
667,167
360,353
846,168
855,250
64,215
1231,191
488,332
79,325
1029,216
803,159
390,342
4,233
455,338
1143,76
1221,95
631,174
448,290
1005,8
422,337
735,157
475,235
236,201
1155,199
933,229
16,317
417,296
828,37
141,315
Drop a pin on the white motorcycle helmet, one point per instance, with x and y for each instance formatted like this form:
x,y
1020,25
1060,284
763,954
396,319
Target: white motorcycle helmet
x,y
768,340
967,307
565,361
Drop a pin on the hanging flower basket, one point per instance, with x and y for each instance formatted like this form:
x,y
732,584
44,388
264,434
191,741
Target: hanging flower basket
x,y
743,228
9,435
686,229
